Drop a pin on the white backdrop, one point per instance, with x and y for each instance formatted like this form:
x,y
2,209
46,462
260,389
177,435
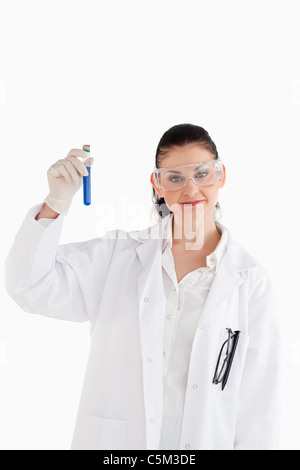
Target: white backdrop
x,y
116,75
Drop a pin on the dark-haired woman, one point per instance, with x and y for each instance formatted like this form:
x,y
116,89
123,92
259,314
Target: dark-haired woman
x,y
184,333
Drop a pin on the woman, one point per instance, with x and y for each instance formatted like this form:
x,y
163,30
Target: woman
x,y
184,336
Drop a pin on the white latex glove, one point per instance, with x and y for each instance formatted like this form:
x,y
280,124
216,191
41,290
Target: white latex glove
x,y
65,178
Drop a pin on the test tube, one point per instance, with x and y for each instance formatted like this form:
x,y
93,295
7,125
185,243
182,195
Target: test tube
x,y
87,180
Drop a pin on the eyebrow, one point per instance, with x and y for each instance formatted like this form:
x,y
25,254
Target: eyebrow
x,y
179,172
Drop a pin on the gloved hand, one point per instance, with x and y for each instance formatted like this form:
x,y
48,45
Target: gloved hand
x,y
65,178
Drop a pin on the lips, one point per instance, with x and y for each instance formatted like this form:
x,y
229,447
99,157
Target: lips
x,y
193,202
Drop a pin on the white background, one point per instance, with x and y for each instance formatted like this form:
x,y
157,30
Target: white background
x,y
117,75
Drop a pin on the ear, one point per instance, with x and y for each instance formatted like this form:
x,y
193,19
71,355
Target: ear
x,y
152,181
223,180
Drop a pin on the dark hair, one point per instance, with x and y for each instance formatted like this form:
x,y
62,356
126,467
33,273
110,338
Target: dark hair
x,y
180,135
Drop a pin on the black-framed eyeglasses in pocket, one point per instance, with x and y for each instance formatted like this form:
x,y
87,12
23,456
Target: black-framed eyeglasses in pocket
x,y
225,358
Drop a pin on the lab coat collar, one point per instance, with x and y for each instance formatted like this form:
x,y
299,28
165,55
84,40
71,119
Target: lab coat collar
x,y
227,278
213,259
237,259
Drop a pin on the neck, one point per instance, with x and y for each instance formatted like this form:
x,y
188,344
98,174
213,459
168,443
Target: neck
x,y
195,234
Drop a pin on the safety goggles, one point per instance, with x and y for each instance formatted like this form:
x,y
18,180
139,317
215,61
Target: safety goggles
x,y
173,179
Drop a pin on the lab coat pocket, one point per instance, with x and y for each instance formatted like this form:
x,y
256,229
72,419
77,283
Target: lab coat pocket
x,y
96,433
237,367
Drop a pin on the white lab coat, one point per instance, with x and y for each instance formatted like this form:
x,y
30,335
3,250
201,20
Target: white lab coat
x,y
116,283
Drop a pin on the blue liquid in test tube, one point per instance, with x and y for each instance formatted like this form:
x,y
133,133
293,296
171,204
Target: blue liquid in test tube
x,y
87,181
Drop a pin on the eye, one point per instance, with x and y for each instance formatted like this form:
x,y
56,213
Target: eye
x,y
175,179
202,174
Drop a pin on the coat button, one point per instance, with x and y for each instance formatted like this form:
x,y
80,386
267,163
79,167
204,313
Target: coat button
x,y
146,299
195,386
201,327
149,359
187,446
152,420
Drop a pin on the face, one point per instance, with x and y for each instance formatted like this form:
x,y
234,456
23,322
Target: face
x,y
208,195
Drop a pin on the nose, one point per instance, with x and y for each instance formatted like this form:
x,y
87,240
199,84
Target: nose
x,y
190,187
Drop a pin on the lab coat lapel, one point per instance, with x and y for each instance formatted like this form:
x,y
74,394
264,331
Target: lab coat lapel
x,y
152,304
151,298
150,284
226,280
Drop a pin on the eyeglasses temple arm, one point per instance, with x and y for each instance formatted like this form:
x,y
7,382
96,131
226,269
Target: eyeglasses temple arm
x,y
215,379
